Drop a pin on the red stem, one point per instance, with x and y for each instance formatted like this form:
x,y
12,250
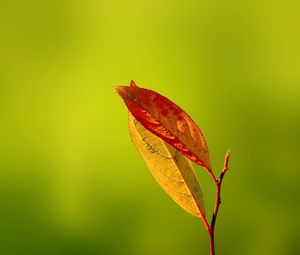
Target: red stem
x,y
211,229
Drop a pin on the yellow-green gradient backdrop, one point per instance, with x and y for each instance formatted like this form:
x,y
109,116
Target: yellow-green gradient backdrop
x,y
71,182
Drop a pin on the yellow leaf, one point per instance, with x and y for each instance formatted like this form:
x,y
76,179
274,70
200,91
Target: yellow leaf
x,y
173,171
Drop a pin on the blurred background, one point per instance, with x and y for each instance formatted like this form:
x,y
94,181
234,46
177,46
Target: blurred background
x,y
71,182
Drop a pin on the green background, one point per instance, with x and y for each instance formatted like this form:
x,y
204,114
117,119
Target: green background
x,y
71,182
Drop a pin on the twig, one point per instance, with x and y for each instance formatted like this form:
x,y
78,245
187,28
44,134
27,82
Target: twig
x,y
218,183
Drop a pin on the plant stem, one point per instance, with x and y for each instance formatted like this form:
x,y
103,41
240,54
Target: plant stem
x,y
212,241
218,183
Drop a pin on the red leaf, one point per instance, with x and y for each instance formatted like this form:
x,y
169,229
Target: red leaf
x,y
168,121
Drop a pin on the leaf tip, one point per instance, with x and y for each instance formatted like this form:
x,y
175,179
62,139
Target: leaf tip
x,y
119,89
132,84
